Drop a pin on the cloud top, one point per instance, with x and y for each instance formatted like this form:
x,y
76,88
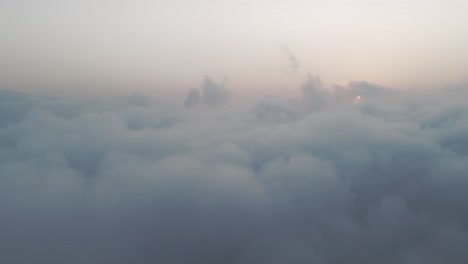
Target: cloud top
x,y
212,94
316,179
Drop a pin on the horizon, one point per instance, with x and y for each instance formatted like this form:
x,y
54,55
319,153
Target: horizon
x,y
166,47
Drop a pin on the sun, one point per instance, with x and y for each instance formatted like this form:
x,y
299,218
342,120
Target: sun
x,y
357,99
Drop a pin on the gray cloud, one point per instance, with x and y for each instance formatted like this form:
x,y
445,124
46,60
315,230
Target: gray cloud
x,y
317,179
213,94
315,93
193,98
138,99
293,62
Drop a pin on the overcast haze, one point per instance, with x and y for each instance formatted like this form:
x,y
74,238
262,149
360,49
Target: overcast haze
x,y
231,132
168,46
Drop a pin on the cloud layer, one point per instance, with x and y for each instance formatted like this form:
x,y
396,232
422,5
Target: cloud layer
x,y
320,179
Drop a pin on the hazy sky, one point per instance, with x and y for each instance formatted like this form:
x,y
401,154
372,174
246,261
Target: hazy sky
x,y
168,46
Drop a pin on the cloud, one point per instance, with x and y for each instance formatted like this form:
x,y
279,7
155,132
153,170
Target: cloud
x,y
293,62
315,93
193,98
316,179
213,94
138,99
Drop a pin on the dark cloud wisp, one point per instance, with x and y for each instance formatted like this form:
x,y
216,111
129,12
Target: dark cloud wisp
x,y
292,60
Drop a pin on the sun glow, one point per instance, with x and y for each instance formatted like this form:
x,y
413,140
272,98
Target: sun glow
x,y
357,99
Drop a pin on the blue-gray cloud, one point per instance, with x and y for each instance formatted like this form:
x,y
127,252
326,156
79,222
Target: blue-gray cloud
x,y
317,179
193,98
212,94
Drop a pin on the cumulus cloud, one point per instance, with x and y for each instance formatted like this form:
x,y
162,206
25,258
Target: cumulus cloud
x,y
212,94
193,98
315,93
317,179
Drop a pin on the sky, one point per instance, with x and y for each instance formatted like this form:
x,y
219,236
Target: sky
x,y
167,47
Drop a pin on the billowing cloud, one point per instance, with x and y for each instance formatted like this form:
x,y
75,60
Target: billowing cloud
x,y
317,179
193,98
213,94
315,93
